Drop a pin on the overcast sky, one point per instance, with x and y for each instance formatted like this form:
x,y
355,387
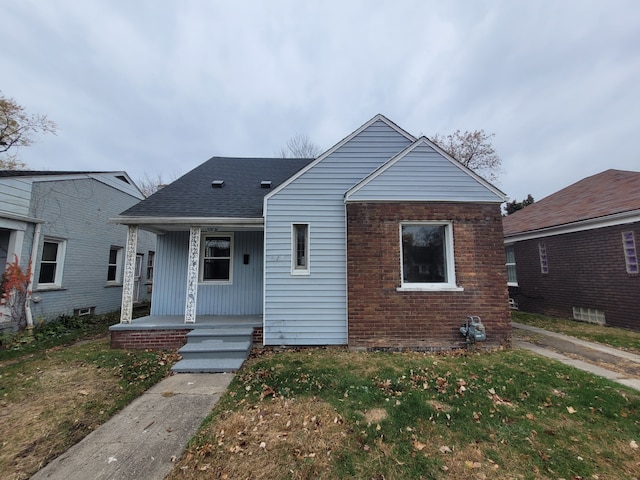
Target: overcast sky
x,y
160,86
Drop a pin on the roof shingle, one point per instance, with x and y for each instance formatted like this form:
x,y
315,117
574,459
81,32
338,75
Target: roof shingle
x,y
241,196
607,193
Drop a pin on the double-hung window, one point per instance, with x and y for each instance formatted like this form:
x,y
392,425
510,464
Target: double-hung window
x,y
51,263
630,253
427,256
300,249
217,252
114,268
151,261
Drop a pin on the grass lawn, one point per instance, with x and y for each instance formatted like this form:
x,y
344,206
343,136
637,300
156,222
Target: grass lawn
x,y
331,413
60,384
628,340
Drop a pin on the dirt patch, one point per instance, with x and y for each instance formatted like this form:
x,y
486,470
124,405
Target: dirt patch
x,y
375,415
279,438
32,422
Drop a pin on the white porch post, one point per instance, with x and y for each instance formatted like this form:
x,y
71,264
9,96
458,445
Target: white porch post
x,y
192,275
126,311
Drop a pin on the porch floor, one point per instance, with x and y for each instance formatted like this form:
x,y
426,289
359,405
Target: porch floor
x,y
176,322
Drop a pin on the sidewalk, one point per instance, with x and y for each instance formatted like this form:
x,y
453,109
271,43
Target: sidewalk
x,y
144,439
551,343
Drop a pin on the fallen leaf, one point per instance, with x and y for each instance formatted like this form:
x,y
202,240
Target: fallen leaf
x,y
445,449
530,416
418,445
571,410
633,444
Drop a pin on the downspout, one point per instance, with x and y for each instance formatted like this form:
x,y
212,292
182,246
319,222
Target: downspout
x,y
34,253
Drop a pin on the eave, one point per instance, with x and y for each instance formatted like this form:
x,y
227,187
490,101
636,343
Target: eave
x,y
161,225
623,218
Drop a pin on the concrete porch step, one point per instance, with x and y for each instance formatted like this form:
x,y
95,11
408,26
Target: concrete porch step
x,y
227,334
217,365
216,349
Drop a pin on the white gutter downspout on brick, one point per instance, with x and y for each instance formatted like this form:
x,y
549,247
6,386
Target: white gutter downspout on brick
x,y
34,253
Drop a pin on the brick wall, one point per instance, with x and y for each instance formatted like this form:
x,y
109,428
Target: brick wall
x,y
586,269
382,317
151,339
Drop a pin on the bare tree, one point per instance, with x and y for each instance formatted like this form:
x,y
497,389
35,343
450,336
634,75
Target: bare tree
x,y
18,129
473,150
300,146
149,185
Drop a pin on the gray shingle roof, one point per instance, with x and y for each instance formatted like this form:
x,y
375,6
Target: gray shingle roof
x,y
241,196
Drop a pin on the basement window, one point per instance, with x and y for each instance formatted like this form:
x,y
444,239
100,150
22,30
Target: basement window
x,y
590,315
84,312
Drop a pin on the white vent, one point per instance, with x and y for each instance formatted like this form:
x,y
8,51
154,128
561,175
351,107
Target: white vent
x,y
590,315
217,184
265,184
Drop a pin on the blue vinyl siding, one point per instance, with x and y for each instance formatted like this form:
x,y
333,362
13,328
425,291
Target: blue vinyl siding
x,y
312,310
15,196
78,211
242,297
423,174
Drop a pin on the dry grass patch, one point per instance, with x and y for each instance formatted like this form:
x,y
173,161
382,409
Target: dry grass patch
x,y
278,438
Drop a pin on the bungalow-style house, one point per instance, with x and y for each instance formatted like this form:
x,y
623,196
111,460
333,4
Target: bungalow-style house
x,y
574,254
382,242
59,223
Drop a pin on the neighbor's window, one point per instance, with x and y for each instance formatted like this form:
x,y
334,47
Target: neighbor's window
x,y
427,255
542,250
216,258
51,263
151,261
630,252
300,248
114,269
512,279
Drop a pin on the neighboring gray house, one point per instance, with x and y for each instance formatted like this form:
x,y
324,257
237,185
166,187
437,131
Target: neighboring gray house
x,y
59,221
383,241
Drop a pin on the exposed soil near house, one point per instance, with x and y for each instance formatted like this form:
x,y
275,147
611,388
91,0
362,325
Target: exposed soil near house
x,y
614,363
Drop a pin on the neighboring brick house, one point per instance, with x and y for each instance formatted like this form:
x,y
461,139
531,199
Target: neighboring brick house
x,y
574,254
383,241
59,222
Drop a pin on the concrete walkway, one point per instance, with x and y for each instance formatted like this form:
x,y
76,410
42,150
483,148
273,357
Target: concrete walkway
x,y
143,440
552,343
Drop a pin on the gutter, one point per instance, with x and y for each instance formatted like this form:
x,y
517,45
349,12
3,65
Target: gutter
x,y
34,252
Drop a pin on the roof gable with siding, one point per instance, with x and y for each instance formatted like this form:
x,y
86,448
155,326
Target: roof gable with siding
x,y
423,172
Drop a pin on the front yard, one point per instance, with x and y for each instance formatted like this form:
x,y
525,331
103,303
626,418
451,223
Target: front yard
x,y
330,413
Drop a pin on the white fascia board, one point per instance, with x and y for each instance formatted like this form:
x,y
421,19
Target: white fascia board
x,y
202,221
419,142
590,224
378,117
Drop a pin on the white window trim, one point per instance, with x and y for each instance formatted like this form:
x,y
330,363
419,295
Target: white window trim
x,y
203,242
62,248
451,285
544,258
295,270
507,264
119,256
